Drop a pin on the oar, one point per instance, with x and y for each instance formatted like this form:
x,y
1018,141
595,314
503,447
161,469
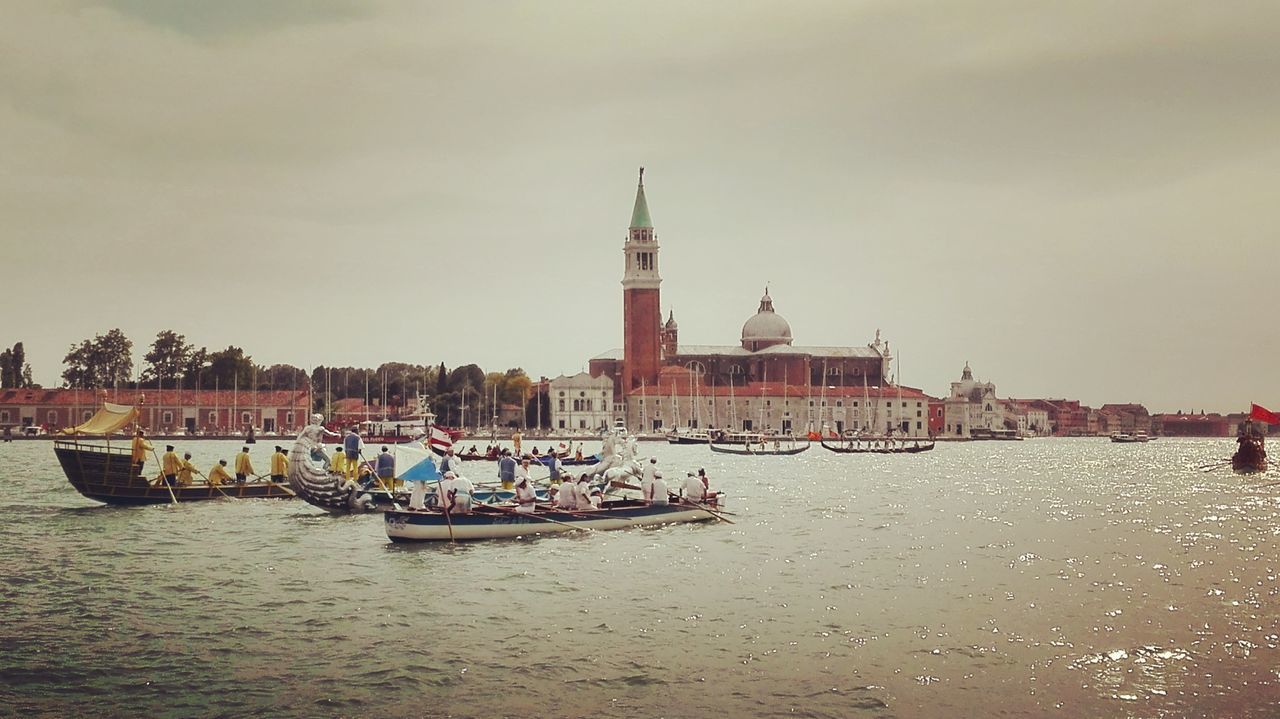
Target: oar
x,y
536,516
373,468
211,484
444,509
1213,465
274,483
163,479
712,512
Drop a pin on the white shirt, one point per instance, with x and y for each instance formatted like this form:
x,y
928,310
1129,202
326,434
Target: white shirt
x,y
566,497
658,491
525,497
583,490
596,500
451,464
650,471
693,489
463,489
522,471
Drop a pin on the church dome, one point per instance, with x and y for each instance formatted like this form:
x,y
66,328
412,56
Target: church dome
x,y
766,328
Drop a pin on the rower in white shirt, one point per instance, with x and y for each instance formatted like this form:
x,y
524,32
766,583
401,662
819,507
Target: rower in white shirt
x,y
525,496
567,496
457,493
656,492
646,478
693,490
584,492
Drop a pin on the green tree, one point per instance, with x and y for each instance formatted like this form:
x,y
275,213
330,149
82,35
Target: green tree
x,y
15,372
104,361
168,359
230,368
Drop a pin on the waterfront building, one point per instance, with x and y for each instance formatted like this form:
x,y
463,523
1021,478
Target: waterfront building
x,y
166,411
1125,418
765,382
973,405
581,402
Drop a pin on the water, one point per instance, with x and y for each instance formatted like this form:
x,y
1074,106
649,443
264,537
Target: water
x,y
1041,578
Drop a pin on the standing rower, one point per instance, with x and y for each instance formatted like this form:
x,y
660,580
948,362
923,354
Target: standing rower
x,y
279,465
507,470
351,445
244,465
186,470
169,465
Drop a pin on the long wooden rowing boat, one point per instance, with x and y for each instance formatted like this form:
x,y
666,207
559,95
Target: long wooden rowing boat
x,y
106,474
747,450
486,522
854,447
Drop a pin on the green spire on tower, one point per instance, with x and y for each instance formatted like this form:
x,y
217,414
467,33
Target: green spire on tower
x,y
640,215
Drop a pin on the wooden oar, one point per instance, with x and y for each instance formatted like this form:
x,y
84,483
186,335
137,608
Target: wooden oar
x,y
164,479
1214,465
712,512
535,516
274,483
383,484
211,484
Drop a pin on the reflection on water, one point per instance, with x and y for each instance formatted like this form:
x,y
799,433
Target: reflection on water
x,y
1070,577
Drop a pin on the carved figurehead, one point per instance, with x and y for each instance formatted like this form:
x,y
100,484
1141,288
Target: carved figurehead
x,y
310,477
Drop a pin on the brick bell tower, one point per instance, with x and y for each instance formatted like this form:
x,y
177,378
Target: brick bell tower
x,y
641,316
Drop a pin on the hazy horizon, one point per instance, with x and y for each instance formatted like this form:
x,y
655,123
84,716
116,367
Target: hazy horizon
x,y
1075,199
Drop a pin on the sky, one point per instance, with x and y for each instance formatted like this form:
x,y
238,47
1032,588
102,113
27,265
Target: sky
x,y
1078,199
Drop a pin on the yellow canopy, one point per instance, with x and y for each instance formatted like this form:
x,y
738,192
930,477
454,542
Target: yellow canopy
x,y
110,418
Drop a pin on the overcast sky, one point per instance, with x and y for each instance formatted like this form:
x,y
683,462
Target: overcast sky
x,y
1077,198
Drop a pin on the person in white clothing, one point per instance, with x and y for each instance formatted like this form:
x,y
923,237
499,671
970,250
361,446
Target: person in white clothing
x,y
522,470
597,498
457,493
566,497
659,489
525,496
646,477
583,489
694,490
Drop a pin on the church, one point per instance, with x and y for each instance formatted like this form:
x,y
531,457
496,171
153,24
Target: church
x,y
766,382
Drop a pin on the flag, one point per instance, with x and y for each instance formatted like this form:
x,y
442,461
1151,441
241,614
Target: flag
x,y
439,439
1263,414
415,464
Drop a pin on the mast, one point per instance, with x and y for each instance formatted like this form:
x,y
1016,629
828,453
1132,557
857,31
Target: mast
x,y
822,402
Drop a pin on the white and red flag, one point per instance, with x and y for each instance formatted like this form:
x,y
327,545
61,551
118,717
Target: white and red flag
x,y
439,439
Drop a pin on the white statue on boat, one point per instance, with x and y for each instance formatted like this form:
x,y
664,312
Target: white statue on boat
x,y
309,473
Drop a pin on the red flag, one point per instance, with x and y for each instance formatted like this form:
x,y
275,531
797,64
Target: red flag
x,y
1263,414
439,439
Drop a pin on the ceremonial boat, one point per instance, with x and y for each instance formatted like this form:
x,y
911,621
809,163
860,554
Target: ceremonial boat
x,y
106,473
878,446
493,522
1251,455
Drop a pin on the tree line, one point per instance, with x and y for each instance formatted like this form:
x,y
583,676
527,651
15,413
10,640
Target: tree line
x,y
171,362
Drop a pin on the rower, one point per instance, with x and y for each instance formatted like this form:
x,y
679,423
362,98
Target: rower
x,y
338,463
386,467
457,493
450,462
219,475
526,498
244,465
140,448
279,465
522,470
169,465
597,498
351,446
656,491
694,490
583,490
185,470
507,470
515,441
646,480
566,495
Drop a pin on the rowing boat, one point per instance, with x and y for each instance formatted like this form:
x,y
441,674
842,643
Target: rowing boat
x,y
486,522
761,450
875,447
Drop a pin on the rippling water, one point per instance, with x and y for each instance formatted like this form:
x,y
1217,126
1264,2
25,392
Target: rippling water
x,y
1049,577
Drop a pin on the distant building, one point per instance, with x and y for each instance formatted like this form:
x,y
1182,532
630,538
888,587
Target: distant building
x,y
581,402
765,382
1193,425
973,405
162,411
1126,418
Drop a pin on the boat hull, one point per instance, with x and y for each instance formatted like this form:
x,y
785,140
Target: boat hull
x,y
871,448
105,474
740,449
493,523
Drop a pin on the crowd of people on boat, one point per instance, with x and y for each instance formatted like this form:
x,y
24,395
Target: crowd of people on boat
x,y
178,471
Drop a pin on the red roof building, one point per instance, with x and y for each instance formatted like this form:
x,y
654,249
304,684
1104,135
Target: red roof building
x,y
166,411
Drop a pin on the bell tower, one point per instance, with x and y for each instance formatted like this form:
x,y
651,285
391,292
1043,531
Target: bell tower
x,y
641,316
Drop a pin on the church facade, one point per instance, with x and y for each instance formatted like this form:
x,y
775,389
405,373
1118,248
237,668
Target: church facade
x,y
765,382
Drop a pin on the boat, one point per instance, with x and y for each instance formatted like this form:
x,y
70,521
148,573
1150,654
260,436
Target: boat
x,y
1251,454
1004,434
1125,437
693,436
878,445
104,472
766,446
498,522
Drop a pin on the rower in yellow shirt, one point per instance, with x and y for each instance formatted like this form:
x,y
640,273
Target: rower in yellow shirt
x,y
185,470
170,464
219,475
338,464
140,449
244,466
279,465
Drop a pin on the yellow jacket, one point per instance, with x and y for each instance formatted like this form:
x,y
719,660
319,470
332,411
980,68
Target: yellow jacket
x,y
339,461
140,448
219,475
243,464
185,471
279,464
170,463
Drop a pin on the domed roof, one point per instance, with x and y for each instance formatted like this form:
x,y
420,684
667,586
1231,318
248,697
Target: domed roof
x,y
766,328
